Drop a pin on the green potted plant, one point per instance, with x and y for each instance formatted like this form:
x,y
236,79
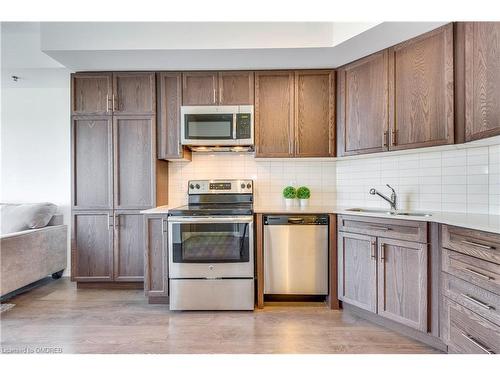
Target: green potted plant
x,y
289,193
303,193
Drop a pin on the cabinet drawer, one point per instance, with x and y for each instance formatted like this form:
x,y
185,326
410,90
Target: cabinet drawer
x,y
406,230
478,244
469,333
476,299
476,271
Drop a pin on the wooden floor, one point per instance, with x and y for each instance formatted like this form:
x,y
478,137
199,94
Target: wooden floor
x,y
120,321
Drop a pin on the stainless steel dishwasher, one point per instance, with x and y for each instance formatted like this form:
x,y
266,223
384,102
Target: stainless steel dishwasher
x,y
296,254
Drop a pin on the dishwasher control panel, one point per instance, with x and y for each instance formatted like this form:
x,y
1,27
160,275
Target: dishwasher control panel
x,y
295,219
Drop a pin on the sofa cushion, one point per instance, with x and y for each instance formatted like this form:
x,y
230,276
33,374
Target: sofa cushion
x,y
18,217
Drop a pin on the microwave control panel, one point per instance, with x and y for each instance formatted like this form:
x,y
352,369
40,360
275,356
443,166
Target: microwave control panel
x,y
243,125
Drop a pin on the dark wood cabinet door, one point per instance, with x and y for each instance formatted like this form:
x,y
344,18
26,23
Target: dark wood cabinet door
x,y
362,113
314,113
236,88
92,162
421,109
199,88
357,270
134,162
92,246
482,79
134,93
128,246
155,257
91,93
274,114
402,282
169,86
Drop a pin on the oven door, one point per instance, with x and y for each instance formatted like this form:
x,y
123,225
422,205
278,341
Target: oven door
x,y
210,247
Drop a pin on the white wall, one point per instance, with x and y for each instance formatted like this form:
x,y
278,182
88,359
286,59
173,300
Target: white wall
x,y
35,126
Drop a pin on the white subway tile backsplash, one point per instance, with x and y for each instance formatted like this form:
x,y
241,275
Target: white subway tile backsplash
x,y
464,180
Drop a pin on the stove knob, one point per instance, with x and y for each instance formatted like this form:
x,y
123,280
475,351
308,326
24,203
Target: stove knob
x,y
249,186
191,186
197,186
242,186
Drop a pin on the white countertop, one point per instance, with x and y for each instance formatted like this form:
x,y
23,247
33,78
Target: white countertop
x,y
484,222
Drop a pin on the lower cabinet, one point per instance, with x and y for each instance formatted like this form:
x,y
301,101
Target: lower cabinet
x,y
402,282
107,246
386,276
156,258
357,270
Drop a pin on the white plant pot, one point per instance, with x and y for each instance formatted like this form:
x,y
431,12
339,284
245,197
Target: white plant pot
x,y
304,202
289,202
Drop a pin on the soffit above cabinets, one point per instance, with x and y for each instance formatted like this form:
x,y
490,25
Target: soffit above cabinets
x,y
205,46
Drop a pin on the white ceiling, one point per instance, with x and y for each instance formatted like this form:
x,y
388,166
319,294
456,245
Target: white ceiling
x,y
201,45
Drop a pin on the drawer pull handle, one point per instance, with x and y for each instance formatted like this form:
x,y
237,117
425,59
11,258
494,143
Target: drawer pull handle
x,y
477,343
374,250
478,245
479,274
379,228
477,302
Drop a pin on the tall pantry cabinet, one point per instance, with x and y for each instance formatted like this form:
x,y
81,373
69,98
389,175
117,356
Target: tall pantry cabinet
x,y
115,174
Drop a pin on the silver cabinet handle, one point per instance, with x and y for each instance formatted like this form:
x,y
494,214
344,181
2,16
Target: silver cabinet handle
x,y
107,103
479,274
477,343
478,245
116,219
379,228
374,250
382,254
163,225
113,102
110,222
215,100
477,302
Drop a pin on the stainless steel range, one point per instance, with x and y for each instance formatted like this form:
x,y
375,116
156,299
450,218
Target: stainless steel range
x,y
210,246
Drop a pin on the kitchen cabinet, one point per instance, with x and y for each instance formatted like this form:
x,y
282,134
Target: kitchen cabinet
x,y
134,156
357,270
421,112
477,54
91,93
274,114
92,246
128,246
236,88
218,88
314,113
156,258
134,93
362,105
384,267
199,88
113,93
169,87
92,162
402,282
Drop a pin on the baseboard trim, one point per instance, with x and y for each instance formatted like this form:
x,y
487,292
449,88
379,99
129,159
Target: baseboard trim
x,y
110,285
158,300
425,338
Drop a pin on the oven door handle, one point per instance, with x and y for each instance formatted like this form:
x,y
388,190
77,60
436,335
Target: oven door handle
x,y
210,219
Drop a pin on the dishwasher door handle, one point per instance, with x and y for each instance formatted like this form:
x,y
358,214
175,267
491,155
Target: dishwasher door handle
x,y
295,220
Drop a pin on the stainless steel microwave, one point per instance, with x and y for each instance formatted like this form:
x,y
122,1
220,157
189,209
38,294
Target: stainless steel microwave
x,y
225,125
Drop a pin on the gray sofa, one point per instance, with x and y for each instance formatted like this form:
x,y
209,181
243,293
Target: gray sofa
x,y
33,245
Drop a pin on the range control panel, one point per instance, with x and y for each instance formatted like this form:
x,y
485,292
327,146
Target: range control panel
x,y
220,186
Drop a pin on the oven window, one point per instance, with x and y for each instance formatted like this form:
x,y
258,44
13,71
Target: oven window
x,y
212,126
210,243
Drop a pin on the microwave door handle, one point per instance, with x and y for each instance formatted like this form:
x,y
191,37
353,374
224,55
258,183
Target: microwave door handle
x,y
234,125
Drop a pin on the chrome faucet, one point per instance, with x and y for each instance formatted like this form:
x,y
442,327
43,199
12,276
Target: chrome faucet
x,y
392,201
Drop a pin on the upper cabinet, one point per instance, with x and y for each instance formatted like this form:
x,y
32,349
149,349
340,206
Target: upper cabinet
x,y
314,93
169,86
294,113
91,93
113,93
477,55
134,93
274,114
217,88
421,90
362,105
